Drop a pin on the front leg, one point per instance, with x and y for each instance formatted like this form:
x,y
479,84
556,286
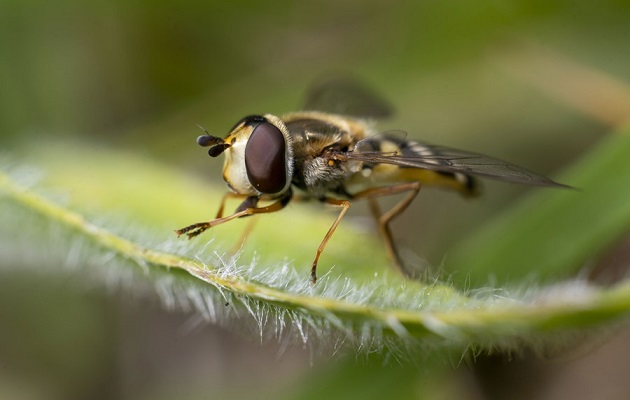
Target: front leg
x,y
226,196
248,207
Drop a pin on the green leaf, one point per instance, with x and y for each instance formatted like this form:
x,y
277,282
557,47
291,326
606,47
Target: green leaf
x,y
358,302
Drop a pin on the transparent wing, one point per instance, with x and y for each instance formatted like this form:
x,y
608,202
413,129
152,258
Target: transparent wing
x,y
346,96
439,158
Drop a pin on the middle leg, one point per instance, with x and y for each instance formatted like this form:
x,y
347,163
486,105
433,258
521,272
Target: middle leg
x,y
345,205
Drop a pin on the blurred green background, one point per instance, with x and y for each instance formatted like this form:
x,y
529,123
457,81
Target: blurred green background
x,y
139,76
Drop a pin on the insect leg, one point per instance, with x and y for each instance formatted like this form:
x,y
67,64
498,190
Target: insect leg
x,y
250,224
226,196
345,205
241,241
383,220
248,207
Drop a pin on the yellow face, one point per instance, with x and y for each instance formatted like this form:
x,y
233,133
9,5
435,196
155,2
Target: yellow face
x,y
234,171
259,159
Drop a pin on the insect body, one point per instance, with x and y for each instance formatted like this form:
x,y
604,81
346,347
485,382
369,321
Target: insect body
x,y
337,159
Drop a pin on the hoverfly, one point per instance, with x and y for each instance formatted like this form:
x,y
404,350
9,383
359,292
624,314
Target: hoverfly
x,y
332,153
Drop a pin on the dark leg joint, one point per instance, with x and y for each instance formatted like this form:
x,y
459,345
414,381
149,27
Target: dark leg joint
x,y
249,202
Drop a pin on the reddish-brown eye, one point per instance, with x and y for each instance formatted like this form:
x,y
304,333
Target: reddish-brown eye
x,y
265,159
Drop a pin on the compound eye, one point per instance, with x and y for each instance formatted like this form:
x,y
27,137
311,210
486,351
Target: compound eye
x,y
265,159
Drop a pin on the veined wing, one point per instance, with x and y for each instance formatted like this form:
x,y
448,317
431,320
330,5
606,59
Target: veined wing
x,y
439,158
